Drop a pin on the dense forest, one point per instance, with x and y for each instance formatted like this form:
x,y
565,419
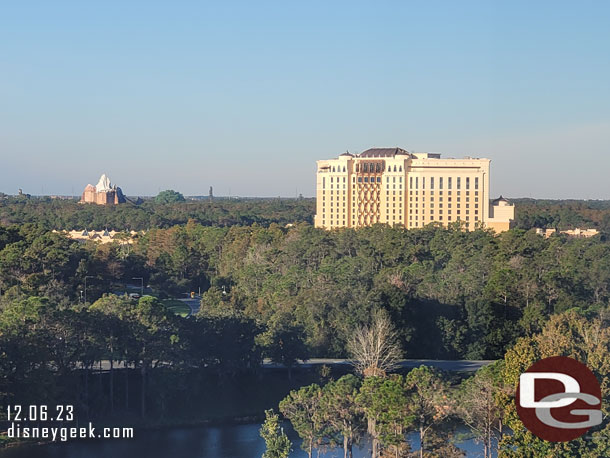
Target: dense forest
x,y
154,213
162,212
273,286
452,293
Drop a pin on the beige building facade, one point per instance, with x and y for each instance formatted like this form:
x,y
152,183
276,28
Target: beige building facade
x,y
397,187
103,193
102,237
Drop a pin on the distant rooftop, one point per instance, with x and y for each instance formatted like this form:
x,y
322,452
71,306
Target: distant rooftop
x,y
383,152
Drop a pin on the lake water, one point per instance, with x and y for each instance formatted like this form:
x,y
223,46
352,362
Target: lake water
x,y
225,441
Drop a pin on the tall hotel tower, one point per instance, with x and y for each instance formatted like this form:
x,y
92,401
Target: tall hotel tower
x,y
396,187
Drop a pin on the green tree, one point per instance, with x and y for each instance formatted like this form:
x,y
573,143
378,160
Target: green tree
x,y
276,442
340,408
169,196
388,413
303,408
429,399
156,339
476,406
284,341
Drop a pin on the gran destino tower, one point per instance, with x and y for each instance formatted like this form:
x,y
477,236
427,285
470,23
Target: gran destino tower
x,y
396,187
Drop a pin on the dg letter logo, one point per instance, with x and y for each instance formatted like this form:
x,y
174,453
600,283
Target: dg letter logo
x,y
559,399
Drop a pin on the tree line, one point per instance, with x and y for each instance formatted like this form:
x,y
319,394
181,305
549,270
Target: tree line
x,y
51,353
169,208
451,293
164,211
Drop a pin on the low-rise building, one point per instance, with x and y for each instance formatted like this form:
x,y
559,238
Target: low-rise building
x,y
104,236
577,232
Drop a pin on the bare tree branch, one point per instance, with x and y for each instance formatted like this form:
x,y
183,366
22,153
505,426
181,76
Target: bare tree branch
x,y
374,349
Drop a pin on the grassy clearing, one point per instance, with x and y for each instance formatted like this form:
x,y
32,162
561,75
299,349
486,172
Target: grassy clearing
x,y
178,307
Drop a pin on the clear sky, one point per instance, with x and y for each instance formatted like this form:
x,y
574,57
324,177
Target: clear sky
x,y
246,96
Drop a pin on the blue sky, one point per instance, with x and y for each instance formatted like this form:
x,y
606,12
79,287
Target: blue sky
x,y
246,96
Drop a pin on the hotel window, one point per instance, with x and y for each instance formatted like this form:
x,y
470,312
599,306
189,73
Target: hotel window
x,y
423,182
440,183
476,183
431,182
459,183
449,183
467,182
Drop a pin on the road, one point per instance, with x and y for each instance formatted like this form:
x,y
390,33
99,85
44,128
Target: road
x,y
193,304
446,365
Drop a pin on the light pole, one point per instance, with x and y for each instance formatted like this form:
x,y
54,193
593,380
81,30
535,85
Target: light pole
x,y
87,276
141,284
